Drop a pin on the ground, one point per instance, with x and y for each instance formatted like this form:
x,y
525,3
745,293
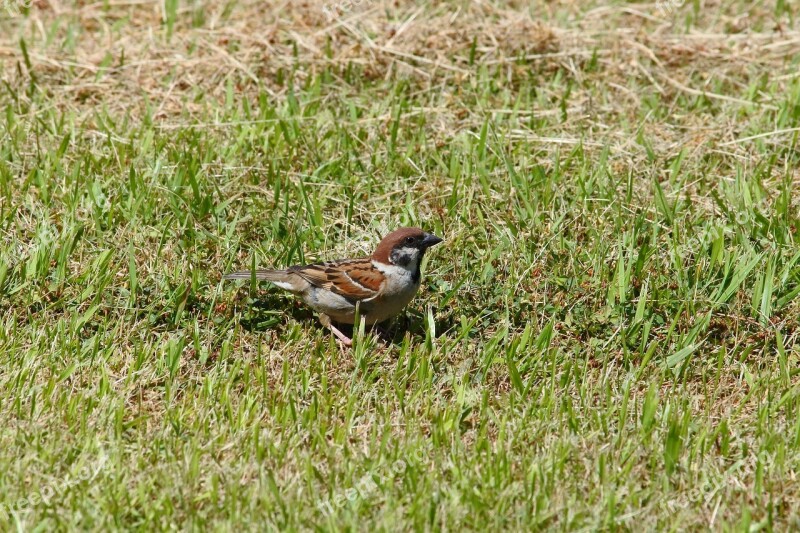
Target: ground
x,y
607,338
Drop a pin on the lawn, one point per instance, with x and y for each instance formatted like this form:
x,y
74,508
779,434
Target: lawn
x,y
608,338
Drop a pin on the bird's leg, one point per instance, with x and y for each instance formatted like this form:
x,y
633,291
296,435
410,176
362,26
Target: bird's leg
x,y
344,339
325,320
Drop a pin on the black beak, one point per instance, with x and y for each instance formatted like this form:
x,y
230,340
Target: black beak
x,y
430,240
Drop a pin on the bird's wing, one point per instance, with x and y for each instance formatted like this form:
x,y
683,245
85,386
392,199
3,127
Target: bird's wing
x,y
355,279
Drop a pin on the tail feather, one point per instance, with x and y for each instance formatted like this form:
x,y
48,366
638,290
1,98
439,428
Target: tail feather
x,y
269,275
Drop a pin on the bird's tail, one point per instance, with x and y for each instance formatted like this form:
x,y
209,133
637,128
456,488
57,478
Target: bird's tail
x,y
269,275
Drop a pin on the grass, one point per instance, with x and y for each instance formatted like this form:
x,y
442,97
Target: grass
x,y
607,339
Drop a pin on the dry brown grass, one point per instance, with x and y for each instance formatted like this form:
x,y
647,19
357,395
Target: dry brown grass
x,y
115,56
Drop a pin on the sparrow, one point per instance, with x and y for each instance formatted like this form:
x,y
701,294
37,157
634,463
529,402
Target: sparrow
x,y
381,285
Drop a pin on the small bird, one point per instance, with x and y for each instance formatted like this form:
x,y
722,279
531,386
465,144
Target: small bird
x,y
381,284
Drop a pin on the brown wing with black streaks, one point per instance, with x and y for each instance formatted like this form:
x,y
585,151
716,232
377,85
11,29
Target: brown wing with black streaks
x,y
355,279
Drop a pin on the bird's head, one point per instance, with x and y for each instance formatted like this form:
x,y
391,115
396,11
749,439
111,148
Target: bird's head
x,y
405,247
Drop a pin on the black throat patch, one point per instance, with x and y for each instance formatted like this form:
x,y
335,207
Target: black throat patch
x,y
415,277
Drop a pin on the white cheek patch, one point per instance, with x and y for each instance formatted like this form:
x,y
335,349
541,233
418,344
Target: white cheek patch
x,y
406,257
398,278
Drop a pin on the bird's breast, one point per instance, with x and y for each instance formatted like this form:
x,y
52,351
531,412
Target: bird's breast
x,y
398,290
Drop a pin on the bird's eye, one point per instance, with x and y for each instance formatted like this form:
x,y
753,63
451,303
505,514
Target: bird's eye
x,y
410,240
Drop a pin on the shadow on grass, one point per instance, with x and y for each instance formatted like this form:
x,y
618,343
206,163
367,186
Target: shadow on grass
x,y
267,310
272,311
411,321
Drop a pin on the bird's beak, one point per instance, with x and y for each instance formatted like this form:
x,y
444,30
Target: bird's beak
x,y
430,240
